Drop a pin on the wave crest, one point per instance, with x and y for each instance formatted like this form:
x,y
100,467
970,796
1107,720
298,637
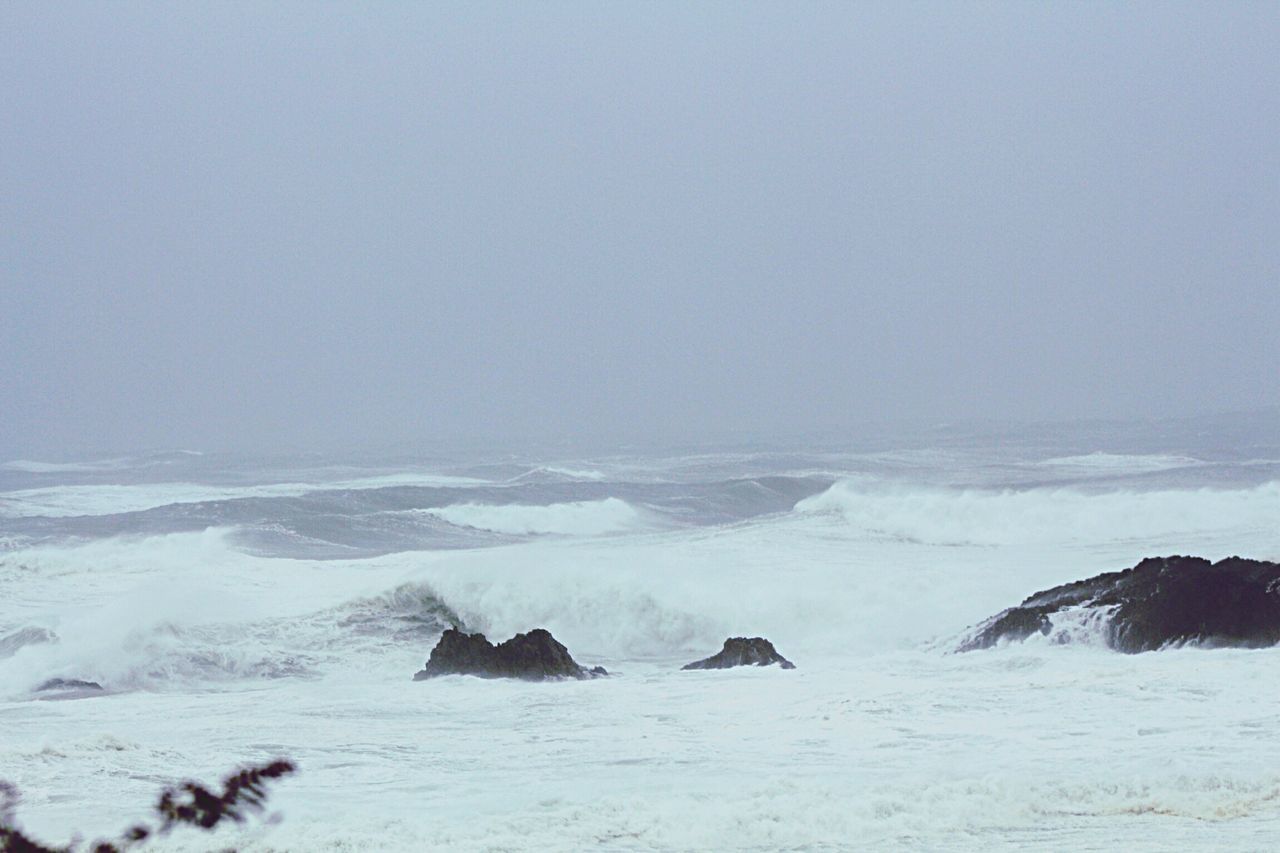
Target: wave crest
x,y
942,516
575,518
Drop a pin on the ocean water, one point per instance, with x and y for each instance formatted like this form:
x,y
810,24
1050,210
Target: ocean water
x,y
239,608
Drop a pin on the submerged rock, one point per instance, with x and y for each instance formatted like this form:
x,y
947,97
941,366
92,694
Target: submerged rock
x,y
1162,601
68,684
534,656
740,651
29,636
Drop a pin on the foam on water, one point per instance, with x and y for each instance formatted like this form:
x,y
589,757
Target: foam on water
x,y
118,463
212,657
1100,462
1049,515
106,499
136,613
559,472
575,518
32,466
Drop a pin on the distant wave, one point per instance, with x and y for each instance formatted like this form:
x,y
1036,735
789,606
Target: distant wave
x,y
554,473
1044,515
1119,463
32,466
66,501
142,612
576,518
119,463
383,481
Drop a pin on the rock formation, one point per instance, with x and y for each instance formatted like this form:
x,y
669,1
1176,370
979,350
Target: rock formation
x,y
534,656
740,651
68,684
1162,601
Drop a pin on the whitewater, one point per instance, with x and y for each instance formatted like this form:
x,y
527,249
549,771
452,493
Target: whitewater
x,y
240,608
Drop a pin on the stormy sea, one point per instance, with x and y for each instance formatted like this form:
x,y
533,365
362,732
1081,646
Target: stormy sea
x,y
238,608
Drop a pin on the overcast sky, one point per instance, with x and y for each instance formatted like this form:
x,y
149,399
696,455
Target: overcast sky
x,y
233,226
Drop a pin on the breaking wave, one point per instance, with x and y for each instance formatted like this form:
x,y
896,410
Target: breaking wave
x,y
1118,463
146,612
34,466
409,612
110,499
554,473
1048,515
119,463
878,736
575,518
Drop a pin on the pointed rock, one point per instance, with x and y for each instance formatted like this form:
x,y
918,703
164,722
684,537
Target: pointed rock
x,y
535,656
68,684
741,651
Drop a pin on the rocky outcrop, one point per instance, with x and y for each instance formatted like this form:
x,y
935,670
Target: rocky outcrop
x,y
535,656
68,684
1162,601
741,651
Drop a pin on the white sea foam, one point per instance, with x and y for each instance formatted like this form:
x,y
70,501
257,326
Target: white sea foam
x,y
1118,463
132,613
212,657
560,472
1047,748
75,500
573,518
1047,515
118,463
33,466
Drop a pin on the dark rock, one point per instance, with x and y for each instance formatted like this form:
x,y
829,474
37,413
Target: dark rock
x,y
456,652
1018,623
534,656
1162,601
68,684
740,651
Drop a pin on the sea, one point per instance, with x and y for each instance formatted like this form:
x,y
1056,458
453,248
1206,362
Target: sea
x,y
241,607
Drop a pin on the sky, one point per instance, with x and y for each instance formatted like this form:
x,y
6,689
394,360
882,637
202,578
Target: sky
x,y
245,226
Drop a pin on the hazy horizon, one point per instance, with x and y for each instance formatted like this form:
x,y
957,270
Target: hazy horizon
x,y
232,227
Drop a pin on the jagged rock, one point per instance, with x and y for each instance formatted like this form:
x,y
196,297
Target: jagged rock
x,y
68,684
1162,601
740,651
534,656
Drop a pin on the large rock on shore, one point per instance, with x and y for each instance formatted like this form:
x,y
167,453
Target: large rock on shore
x,y
535,656
1160,602
741,651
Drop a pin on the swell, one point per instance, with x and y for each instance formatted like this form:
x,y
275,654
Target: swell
x,y
857,568
993,517
329,523
572,518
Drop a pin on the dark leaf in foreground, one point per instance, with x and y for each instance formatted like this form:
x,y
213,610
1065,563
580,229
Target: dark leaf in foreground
x,y
242,792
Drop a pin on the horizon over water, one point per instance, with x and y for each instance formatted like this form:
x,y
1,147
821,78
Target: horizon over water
x,y
237,607
859,333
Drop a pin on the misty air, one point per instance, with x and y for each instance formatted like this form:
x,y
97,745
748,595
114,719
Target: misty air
x,y
701,426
